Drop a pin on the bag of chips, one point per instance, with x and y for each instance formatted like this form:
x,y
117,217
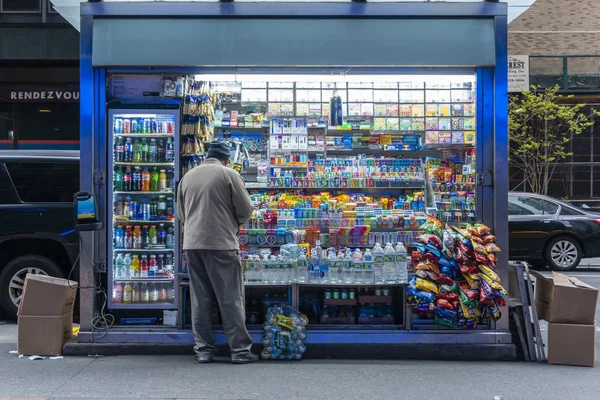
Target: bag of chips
x,y
448,243
489,272
433,226
431,258
472,280
449,296
482,230
489,239
492,257
420,295
423,248
479,248
445,304
426,285
492,248
493,284
449,288
466,301
428,266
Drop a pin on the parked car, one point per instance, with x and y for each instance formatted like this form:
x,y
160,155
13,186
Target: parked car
x,y
37,233
548,232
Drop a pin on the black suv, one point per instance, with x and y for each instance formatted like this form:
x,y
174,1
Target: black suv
x,y
36,218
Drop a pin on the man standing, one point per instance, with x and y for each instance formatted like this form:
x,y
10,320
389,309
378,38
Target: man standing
x,y
212,203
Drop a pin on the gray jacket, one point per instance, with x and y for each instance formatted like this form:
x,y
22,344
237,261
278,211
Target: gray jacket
x,y
212,203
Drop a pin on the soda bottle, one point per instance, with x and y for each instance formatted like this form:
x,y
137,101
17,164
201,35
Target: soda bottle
x,y
136,293
162,180
161,151
146,180
117,294
144,267
154,294
118,179
135,266
137,238
153,235
145,237
154,177
144,150
378,264
136,154
128,150
170,237
127,293
133,210
136,180
145,296
153,208
160,264
127,207
389,266
170,209
119,238
119,150
162,294
127,179
126,266
153,152
162,235
170,150
152,266
161,207
128,244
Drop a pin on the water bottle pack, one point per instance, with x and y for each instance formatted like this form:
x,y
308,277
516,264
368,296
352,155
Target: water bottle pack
x,y
284,334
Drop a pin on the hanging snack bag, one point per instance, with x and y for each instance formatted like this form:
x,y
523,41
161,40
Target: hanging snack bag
x,y
426,285
487,271
482,230
492,248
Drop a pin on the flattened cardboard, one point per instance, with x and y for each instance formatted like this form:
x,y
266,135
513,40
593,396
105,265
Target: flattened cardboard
x,y
46,296
566,300
43,335
572,344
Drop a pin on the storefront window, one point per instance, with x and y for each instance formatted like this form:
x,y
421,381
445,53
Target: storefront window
x,y
6,126
49,126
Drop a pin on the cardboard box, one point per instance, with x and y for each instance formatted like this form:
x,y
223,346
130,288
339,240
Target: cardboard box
x,y
43,335
47,296
566,300
571,344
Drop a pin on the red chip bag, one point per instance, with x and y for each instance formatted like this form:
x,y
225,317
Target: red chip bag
x,y
481,258
489,239
442,303
492,257
477,239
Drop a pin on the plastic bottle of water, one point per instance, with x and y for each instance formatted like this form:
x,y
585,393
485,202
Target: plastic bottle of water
x,y
401,263
378,264
333,268
302,269
389,265
324,266
357,266
348,268
368,268
314,268
119,272
126,266
267,270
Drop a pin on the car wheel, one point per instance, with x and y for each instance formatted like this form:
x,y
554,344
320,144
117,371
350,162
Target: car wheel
x,y
12,279
563,254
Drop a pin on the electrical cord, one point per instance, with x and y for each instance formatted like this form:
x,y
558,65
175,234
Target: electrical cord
x,y
103,321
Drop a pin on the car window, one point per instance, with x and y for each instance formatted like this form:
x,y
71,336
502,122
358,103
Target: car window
x,y
523,205
569,211
7,191
50,182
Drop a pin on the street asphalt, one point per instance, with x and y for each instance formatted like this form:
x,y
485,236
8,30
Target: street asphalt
x,y
180,377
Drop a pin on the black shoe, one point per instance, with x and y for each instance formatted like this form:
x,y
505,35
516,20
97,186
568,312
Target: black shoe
x,y
204,358
244,359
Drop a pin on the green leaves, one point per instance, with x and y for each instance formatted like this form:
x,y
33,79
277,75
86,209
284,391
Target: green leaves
x,y
540,130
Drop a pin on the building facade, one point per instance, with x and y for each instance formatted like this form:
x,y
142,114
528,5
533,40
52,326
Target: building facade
x,y
39,77
562,40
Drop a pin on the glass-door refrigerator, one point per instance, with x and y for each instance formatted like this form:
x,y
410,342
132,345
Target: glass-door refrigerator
x,y
144,168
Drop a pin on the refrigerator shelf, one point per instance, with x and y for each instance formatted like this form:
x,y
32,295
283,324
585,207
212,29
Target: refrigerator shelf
x,y
145,280
142,164
145,135
159,193
142,222
143,250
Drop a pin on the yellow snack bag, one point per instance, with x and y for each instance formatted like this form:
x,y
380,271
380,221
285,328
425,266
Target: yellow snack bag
x,y
489,272
427,286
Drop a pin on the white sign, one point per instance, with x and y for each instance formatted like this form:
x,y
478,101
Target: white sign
x,y
518,73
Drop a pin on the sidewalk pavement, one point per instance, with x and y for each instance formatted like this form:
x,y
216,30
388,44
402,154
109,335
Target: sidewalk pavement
x,y
180,377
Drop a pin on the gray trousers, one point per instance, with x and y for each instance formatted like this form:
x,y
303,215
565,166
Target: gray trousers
x,y
218,273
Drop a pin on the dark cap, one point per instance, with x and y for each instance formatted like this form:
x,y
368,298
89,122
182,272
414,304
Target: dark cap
x,y
219,150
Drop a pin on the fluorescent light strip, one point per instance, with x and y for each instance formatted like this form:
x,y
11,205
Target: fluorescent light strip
x,y
332,78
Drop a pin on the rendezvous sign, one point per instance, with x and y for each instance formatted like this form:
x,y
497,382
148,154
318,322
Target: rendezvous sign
x,y
518,74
